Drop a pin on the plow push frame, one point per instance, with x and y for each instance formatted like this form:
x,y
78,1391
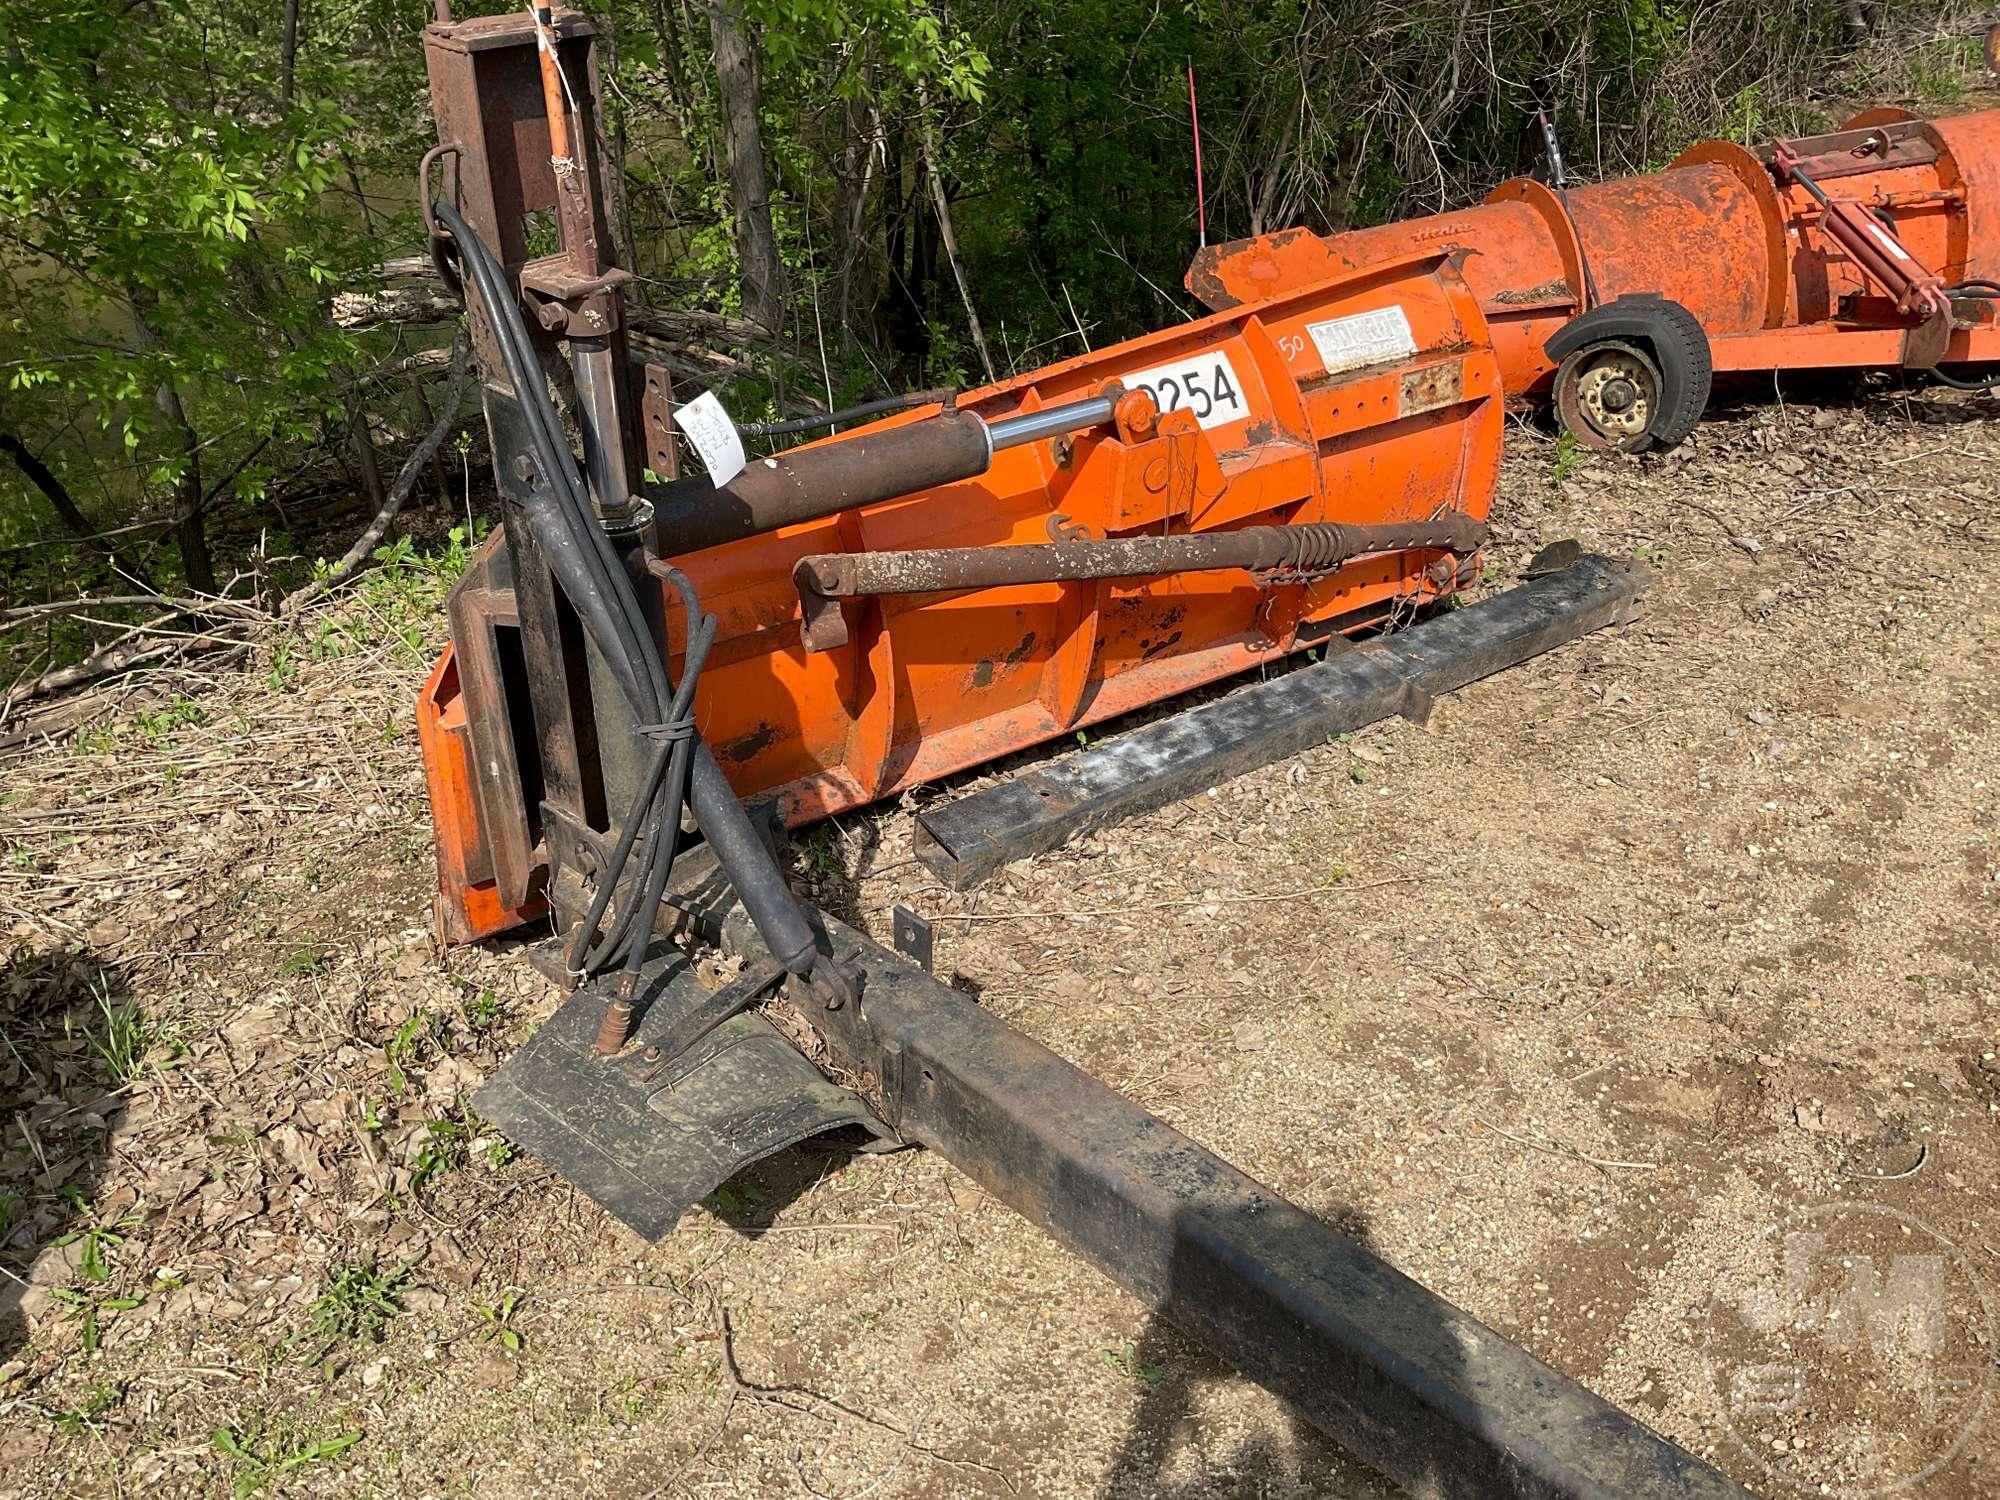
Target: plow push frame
x,y
913,593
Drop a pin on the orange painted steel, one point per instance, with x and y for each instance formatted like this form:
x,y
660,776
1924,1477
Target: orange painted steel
x,y
1407,423
1713,232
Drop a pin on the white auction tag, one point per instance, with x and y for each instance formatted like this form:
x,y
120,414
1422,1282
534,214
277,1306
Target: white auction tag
x,y
1369,338
1206,385
714,437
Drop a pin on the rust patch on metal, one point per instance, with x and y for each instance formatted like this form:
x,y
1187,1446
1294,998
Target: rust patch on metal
x,y
982,674
1206,284
1020,653
1430,388
747,747
1149,650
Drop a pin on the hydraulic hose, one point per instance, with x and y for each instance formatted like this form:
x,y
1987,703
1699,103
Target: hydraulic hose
x,y
594,580
1970,291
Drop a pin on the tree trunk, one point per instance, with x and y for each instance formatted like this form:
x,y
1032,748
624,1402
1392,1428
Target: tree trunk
x,y
289,55
190,530
749,188
67,510
951,239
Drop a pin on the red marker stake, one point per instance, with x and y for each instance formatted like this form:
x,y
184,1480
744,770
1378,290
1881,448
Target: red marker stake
x,y
1200,199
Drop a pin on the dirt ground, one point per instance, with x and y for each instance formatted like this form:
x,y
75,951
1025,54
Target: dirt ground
x,y
1568,998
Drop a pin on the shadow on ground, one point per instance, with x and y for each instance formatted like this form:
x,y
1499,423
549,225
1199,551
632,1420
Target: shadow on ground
x,y
70,1029
1169,1452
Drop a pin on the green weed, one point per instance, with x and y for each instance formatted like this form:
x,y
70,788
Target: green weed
x,y
731,1200
284,671
1569,453
1125,1360
123,1035
405,1047
263,1459
81,1420
821,848
499,1319
485,1011
151,727
359,1301
85,1310
304,963
99,1242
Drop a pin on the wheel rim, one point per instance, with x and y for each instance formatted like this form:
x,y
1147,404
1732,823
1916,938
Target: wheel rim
x,y
1609,395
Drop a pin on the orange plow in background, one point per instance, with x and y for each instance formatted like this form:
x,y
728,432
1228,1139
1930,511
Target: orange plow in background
x,y
1766,273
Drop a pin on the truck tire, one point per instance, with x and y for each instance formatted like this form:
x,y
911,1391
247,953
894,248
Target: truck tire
x,y
1645,339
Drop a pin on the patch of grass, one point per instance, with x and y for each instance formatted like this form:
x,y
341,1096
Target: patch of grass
x,y
442,1151
359,1301
99,1243
284,671
732,1200
263,1458
448,1142
304,962
151,726
406,1045
820,848
87,1310
80,1421
1125,1360
123,1034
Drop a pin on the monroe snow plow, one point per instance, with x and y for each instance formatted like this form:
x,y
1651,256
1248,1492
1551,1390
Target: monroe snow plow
x,y
1877,247
837,622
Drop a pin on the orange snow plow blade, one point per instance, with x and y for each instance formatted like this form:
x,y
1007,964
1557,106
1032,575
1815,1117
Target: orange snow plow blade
x,y
1370,397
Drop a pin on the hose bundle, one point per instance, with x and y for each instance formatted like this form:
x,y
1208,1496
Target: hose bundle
x,y
596,584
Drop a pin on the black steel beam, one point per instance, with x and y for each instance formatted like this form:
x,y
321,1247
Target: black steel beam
x,y
1408,1382
966,840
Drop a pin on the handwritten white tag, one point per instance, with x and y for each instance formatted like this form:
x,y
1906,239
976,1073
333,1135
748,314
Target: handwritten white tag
x,y
714,437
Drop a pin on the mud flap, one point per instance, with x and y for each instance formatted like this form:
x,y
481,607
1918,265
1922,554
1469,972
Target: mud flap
x,y
649,1138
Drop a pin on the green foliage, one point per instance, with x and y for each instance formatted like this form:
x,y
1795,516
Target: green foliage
x,y
173,226
304,963
81,1421
1568,454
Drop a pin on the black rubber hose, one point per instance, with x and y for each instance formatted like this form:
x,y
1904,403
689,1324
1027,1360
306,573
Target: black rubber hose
x,y
1984,383
1976,290
596,584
